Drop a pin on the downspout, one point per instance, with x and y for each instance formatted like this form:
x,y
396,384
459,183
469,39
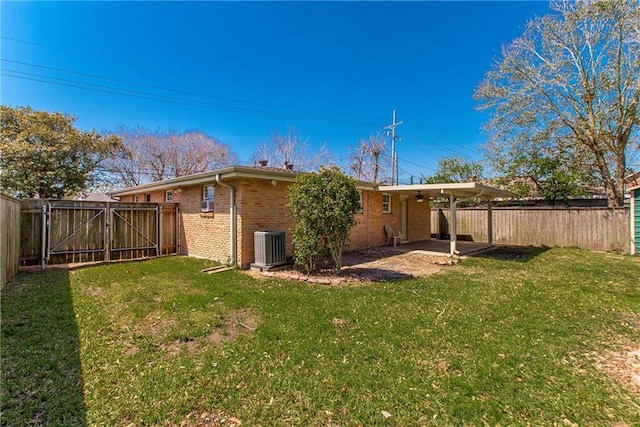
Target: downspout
x,y
233,214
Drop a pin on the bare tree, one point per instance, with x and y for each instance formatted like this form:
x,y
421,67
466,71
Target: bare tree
x,y
148,156
364,160
569,85
290,148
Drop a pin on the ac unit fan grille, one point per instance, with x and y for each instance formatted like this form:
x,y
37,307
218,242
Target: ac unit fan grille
x,y
269,247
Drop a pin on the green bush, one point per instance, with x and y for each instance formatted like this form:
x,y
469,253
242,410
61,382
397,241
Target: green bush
x,y
323,207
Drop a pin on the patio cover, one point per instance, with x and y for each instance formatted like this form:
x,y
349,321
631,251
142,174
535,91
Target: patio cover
x,y
456,192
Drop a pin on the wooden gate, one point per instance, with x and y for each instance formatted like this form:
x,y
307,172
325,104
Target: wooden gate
x,y
68,232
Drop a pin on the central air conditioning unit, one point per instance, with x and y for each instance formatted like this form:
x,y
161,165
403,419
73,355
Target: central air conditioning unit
x,y
206,206
269,248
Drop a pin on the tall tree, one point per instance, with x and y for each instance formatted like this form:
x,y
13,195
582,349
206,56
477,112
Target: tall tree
x,y
453,169
570,86
364,160
43,155
291,148
148,156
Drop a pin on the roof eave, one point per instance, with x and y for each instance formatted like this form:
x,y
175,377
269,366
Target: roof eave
x,y
233,172
457,189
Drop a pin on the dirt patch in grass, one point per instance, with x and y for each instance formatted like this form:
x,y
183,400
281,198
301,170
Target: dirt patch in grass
x,y
95,292
624,364
239,322
155,324
208,419
368,266
233,325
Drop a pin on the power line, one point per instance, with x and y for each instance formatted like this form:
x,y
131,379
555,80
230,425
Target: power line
x,y
438,147
444,138
172,100
186,92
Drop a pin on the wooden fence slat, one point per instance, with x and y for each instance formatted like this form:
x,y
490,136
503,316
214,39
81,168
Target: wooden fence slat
x,y
9,238
601,229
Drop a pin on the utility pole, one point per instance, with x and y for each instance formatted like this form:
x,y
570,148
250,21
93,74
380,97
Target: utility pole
x,y
394,157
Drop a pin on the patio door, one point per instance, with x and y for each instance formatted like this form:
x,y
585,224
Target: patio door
x,y
403,218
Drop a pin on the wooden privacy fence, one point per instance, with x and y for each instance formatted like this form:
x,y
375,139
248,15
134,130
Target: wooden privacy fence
x,y
69,232
9,238
601,229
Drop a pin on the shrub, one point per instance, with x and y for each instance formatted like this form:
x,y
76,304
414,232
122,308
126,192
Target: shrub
x,y
323,207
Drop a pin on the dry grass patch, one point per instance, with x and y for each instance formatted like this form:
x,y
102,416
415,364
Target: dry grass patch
x,y
155,324
213,418
623,364
232,326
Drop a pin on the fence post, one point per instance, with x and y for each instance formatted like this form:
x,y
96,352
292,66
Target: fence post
x,y
43,238
177,230
106,233
489,222
159,229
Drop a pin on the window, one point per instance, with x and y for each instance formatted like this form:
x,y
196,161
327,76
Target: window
x,y
168,196
361,208
136,198
208,193
147,197
386,203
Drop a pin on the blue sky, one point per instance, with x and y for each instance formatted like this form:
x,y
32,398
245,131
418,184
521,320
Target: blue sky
x,y
240,70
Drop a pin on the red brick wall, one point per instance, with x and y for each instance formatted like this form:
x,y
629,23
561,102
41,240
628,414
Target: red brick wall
x,y
156,197
205,234
262,206
418,220
369,228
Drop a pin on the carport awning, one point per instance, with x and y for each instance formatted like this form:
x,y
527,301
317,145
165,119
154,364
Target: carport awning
x,y
455,189
455,192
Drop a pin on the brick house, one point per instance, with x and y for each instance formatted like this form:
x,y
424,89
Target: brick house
x,y
236,201
220,210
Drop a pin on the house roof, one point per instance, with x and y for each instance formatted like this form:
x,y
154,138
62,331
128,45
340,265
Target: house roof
x,y
95,197
225,174
457,189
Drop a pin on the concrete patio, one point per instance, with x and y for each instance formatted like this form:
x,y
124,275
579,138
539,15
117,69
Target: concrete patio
x,y
437,247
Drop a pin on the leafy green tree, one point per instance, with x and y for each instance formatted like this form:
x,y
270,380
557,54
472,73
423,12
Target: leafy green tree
x,y
323,206
452,169
568,88
43,155
551,177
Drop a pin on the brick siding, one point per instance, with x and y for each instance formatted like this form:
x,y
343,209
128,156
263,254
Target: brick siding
x,y
261,205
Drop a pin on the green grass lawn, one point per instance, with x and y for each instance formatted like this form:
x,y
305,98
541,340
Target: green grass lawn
x,y
509,338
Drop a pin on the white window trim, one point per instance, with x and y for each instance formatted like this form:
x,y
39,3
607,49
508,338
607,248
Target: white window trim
x,y
136,198
361,202
147,197
388,210
168,196
204,193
